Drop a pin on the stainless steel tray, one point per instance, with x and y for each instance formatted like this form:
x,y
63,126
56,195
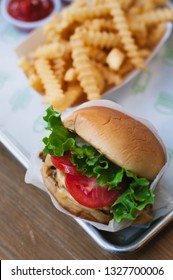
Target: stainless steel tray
x,y
18,99
125,241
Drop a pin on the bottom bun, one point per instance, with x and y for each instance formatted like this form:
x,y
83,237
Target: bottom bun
x,y
54,181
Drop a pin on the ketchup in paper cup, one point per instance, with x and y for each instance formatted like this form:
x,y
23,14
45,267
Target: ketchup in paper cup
x,y
27,15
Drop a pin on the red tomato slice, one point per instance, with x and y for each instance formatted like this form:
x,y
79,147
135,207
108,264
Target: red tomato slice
x,y
64,164
87,192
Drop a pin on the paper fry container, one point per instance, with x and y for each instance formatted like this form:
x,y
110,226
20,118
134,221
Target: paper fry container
x,y
32,41
34,177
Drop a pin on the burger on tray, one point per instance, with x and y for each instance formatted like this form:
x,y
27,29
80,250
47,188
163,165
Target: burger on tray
x,y
100,163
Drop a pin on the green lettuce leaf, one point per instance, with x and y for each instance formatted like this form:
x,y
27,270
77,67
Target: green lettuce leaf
x,y
60,138
93,164
134,199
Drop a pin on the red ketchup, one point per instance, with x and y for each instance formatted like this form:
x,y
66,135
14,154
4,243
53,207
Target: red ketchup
x,y
30,10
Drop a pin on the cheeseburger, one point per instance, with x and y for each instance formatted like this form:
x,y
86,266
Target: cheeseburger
x,y
100,162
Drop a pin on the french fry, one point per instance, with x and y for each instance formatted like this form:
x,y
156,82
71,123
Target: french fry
x,y
49,51
30,71
79,3
126,37
100,24
83,67
58,66
145,53
36,83
70,75
100,39
127,65
51,84
101,83
155,17
80,14
160,2
97,54
109,75
27,66
71,95
115,59
126,4
156,34
126,68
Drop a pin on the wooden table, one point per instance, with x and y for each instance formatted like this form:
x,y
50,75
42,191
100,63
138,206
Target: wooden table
x,y
31,228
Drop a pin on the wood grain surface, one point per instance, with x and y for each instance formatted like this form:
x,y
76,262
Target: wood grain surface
x,y
31,228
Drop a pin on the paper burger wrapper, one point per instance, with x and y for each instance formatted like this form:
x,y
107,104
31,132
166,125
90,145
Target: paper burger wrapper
x,y
162,199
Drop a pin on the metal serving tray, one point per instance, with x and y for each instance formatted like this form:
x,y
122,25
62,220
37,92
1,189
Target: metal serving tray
x,y
22,106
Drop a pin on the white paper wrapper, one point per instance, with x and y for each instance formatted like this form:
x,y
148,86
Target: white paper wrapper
x,y
162,199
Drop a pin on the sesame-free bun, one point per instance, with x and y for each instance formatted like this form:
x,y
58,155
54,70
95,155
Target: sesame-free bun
x,y
122,139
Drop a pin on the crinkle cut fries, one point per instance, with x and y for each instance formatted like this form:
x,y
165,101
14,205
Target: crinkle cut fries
x,y
92,46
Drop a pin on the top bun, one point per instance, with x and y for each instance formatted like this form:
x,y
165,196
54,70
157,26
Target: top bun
x,y
122,139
